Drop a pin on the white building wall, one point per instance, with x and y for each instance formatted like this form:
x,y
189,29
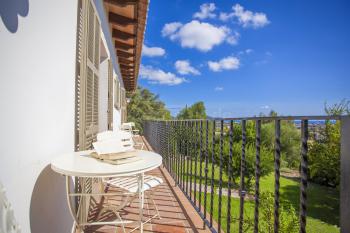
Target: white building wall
x,y
37,91
37,109
116,119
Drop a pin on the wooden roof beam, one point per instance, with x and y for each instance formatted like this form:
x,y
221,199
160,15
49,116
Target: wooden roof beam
x,y
124,54
122,45
121,2
120,19
128,76
122,35
130,72
123,66
125,61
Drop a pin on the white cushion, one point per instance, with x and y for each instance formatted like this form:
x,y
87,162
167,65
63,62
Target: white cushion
x,y
130,183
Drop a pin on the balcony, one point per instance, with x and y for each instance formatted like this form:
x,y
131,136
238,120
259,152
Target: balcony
x,y
177,213
203,193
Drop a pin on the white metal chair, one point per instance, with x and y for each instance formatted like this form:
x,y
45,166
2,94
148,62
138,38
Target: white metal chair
x,y
130,127
130,185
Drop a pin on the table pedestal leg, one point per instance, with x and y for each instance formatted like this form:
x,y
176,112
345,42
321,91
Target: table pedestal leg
x,y
141,199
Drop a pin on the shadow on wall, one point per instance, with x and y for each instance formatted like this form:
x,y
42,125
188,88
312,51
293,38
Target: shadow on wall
x,y
9,11
48,206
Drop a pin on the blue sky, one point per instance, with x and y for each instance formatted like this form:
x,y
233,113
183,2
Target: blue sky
x,y
246,57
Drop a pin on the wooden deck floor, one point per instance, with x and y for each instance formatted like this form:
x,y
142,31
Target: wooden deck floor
x,y
177,214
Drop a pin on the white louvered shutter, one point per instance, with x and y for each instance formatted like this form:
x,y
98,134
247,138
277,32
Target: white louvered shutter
x,y
87,75
78,92
110,95
92,77
123,104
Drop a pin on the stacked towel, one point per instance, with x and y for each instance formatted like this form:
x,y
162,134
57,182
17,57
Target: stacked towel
x,y
115,147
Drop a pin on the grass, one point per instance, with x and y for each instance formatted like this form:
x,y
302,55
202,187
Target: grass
x,y
322,203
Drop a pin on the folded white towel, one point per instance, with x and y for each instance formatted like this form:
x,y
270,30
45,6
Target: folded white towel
x,y
114,145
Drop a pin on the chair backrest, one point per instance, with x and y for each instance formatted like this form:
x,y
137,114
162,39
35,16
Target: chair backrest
x,y
126,127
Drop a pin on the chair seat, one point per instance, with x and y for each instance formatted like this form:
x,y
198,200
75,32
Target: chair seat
x,y
130,183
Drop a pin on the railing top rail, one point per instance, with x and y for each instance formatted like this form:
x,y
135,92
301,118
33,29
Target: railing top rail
x,y
337,117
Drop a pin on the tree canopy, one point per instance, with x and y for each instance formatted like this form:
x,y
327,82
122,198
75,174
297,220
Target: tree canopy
x,y
324,153
145,105
195,111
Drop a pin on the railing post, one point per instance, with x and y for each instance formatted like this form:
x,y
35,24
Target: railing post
x,y
345,176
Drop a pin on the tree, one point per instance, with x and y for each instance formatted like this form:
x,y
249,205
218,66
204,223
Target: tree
x,y
145,105
341,108
289,221
290,142
196,111
324,153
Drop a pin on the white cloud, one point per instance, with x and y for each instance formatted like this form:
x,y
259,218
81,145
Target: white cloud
x,y
247,51
265,107
184,67
202,36
233,39
206,11
225,16
170,28
158,76
218,89
227,63
152,51
245,17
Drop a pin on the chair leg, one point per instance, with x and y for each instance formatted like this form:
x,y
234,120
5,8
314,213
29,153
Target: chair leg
x,y
131,200
150,196
115,210
120,219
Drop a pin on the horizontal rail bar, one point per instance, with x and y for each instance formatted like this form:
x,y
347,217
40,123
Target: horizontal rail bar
x,y
318,117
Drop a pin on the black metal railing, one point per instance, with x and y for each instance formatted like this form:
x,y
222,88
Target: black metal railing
x,y
194,154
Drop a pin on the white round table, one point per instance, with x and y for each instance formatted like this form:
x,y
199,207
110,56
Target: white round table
x,y
82,165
